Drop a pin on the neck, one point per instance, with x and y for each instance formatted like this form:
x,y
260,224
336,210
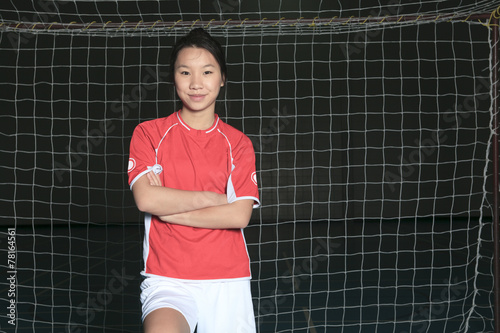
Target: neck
x,y
198,120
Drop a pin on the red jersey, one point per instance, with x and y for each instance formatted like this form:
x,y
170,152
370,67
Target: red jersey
x,y
220,159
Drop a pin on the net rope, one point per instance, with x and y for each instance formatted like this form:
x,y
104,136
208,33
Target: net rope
x,y
373,142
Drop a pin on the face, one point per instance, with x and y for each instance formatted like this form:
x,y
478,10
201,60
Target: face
x,y
197,79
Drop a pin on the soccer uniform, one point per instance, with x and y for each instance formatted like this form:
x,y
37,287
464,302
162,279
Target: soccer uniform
x,y
220,159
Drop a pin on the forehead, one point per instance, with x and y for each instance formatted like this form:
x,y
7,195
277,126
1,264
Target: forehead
x,y
195,56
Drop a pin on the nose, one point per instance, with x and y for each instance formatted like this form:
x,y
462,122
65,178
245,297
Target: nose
x,y
196,82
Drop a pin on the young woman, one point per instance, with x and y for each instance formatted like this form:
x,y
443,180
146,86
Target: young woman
x,y
194,178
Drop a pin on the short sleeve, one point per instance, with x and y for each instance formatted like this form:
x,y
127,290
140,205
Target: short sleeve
x,y
142,154
242,182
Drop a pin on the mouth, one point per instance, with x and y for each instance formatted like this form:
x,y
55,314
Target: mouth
x,y
196,97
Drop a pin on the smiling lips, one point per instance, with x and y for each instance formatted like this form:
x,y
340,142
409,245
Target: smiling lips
x,y
197,98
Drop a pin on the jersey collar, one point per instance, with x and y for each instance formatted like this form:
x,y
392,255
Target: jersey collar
x,y
186,126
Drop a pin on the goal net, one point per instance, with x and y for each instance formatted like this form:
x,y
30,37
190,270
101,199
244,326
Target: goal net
x,y
373,135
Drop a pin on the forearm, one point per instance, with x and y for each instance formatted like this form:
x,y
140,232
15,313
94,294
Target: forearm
x,y
166,201
235,215
158,200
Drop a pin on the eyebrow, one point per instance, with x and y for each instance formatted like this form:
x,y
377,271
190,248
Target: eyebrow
x,y
186,66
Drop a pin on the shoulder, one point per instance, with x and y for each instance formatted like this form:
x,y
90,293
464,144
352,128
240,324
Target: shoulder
x,y
236,138
156,126
233,134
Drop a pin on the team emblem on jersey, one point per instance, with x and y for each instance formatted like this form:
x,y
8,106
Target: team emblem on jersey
x,y
254,177
131,164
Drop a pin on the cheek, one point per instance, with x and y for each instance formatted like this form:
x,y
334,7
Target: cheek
x,y
216,85
176,89
179,86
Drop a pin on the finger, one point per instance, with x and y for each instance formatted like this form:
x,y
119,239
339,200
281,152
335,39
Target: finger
x,y
156,179
151,178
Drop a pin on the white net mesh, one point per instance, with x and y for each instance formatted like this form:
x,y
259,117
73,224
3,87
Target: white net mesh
x,y
372,135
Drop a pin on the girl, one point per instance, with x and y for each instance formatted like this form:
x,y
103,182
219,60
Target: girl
x,y
194,178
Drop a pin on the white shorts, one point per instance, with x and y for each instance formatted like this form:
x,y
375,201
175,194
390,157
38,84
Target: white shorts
x,y
211,306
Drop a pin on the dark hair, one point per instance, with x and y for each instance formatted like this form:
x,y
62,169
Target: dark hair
x,y
199,38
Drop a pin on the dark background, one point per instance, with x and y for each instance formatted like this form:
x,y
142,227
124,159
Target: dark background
x,y
371,144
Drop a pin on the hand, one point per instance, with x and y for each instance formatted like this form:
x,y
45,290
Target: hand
x,y
154,179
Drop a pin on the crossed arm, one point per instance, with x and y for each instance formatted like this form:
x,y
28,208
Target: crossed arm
x,y
202,209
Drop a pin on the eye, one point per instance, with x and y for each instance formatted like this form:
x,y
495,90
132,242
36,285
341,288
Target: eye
x,y
207,72
184,73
